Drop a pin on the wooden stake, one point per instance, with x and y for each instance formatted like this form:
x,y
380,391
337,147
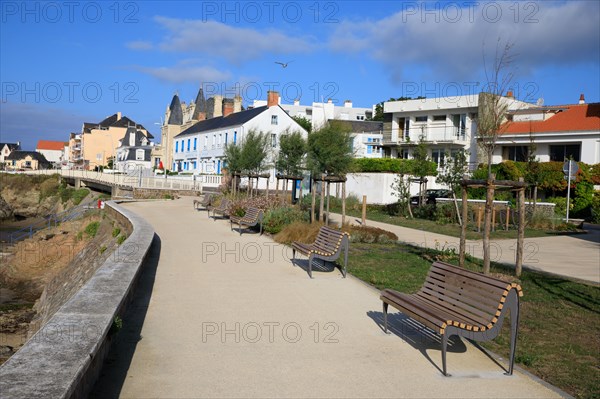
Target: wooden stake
x,y
507,217
521,232
267,187
479,219
463,228
314,200
487,224
327,213
343,203
300,194
364,210
493,217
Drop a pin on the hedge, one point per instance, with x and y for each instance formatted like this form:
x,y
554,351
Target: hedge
x,y
388,165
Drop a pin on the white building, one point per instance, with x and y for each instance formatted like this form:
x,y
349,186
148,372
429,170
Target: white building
x,y
366,139
200,148
445,124
319,113
134,151
7,148
556,132
53,151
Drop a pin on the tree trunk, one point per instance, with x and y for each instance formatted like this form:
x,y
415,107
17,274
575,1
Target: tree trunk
x,y
322,204
487,224
463,228
534,198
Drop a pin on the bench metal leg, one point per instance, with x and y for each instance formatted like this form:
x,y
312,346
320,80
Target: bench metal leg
x,y
513,303
444,347
345,269
240,228
385,321
260,228
310,261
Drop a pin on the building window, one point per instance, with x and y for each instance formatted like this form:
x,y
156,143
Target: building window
x,y
403,154
406,128
460,123
139,155
194,164
220,139
438,156
563,152
195,143
517,153
273,119
438,118
360,117
188,144
214,140
226,138
273,140
421,118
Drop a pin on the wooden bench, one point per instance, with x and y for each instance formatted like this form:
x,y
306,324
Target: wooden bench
x,y
204,202
252,217
456,301
222,209
328,246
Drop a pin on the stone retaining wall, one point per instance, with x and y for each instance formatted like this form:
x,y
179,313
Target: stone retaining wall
x,y
64,358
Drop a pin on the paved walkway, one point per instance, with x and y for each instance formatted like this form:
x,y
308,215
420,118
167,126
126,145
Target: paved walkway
x,y
576,256
219,315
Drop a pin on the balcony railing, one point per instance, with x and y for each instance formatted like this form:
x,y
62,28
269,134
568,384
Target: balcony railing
x,y
442,134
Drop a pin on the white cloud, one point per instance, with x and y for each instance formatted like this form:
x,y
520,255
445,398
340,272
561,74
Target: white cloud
x,y
140,45
449,42
184,72
234,44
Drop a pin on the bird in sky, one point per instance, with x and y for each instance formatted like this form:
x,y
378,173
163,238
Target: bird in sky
x,y
283,64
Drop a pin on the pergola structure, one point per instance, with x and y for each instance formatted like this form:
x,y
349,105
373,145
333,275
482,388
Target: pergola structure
x,y
285,179
251,177
491,185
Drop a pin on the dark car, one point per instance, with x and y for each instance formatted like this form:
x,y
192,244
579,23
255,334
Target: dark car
x,y
430,196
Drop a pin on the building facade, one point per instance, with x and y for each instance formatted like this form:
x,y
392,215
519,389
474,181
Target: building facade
x,y
53,151
318,113
200,148
26,160
7,148
134,151
552,133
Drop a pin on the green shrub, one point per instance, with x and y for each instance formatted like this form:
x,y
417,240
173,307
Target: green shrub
x,y
92,229
78,195
276,219
582,203
121,239
102,249
561,205
595,217
388,165
369,235
116,231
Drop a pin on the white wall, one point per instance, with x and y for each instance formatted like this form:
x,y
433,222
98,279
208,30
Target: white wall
x,y
54,156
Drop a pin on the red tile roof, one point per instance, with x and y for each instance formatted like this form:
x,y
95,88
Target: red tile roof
x,y
50,145
577,117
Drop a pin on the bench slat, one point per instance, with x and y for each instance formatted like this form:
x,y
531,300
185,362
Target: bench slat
x,y
482,300
491,281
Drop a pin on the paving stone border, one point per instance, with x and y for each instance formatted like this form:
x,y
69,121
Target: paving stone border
x,y
64,358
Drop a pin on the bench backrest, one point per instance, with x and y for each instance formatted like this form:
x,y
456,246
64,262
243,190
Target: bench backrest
x,y
207,199
224,204
328,239
252,214
469,293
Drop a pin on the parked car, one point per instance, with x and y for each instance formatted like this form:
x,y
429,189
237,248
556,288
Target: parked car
x,y
430,196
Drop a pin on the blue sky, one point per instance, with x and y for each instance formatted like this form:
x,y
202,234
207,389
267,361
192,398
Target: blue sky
x,y
62,64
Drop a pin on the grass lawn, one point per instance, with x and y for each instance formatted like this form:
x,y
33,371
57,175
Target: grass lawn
x,y
446,229
559,332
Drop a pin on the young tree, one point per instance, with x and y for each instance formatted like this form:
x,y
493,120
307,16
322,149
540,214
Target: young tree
x,y
452,173
254,152
422,167
493,106
329,152
292,148
233,157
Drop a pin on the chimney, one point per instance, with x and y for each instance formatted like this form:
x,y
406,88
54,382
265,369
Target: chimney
x,y
581,99
296,102
227,107
237,104
272,98
119,115
509,94
348,104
